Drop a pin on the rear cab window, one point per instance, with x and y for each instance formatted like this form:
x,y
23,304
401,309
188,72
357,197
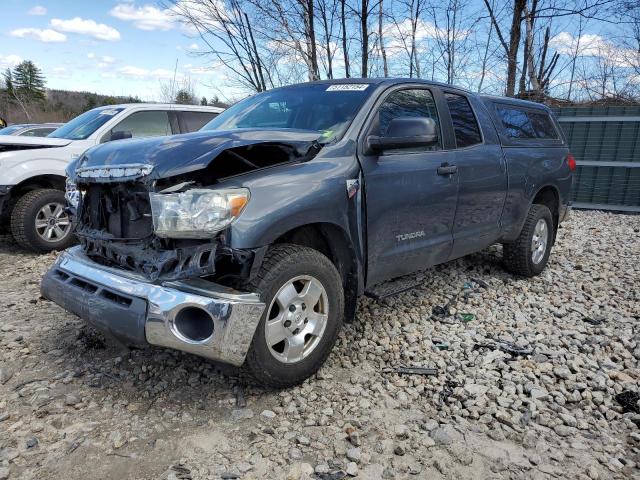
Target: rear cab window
x,y
192,121
524,125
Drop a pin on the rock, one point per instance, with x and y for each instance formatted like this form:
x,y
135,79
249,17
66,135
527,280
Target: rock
x,y
295,454
352,469
399,450
441,436
5,374
31,442
268,414
354,454
239,414
300,471
71,400
562,372
4,473
117,439
475,390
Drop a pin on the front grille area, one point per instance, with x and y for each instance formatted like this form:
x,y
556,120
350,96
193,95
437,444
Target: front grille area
x,y
119,210
115,229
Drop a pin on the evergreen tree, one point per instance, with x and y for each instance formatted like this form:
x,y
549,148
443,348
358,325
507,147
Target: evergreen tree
x,y
28,81
8,82
203,101
185,97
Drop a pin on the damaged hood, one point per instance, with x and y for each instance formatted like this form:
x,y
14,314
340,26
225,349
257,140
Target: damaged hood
x,y
11,142
180,154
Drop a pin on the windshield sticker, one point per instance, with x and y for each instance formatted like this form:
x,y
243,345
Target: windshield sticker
x,y
110,112
348,87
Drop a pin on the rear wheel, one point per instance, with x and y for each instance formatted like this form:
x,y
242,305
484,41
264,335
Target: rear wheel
x,y
39,221
304,301
529,254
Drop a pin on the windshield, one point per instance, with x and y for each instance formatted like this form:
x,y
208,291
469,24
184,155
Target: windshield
x,y
10,130
84,125
322,107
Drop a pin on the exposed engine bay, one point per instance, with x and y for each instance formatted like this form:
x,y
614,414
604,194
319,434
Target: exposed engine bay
x,y
115,225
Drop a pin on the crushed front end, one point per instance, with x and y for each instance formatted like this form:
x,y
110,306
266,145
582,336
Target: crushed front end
x,y
156,274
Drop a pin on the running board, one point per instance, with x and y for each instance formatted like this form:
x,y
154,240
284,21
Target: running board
x,y
392,287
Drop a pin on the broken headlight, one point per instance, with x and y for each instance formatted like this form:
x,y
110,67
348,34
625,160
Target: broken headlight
x,y
197,213
71,193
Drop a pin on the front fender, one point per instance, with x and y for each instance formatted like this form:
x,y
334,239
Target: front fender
x,y
13,173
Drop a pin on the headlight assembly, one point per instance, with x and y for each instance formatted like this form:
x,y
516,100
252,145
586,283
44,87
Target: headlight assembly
x,y
71,193
196,213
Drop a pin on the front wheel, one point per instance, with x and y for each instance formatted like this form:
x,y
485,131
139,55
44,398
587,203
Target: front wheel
x,y
304,299
39,221
529,254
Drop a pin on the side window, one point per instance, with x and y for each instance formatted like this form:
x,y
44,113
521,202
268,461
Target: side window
x,y
38,132
525,124
542,125
145,124
464,121
194,121
409,103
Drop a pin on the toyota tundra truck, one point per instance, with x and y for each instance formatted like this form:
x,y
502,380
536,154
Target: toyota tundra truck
x,y
250,241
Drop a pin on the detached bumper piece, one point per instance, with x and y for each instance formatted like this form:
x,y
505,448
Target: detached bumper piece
x,y
194,316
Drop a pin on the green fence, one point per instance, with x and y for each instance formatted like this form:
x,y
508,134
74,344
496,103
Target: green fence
x,y
605,142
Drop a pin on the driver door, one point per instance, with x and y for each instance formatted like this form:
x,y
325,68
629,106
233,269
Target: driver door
x,y
410,201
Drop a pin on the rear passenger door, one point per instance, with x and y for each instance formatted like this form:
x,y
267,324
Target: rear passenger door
x,y
194,121
482,179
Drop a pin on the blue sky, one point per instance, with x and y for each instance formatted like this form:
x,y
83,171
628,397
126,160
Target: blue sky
x,y
104,46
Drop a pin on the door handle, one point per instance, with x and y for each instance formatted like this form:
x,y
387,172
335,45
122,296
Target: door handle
x,y
446,169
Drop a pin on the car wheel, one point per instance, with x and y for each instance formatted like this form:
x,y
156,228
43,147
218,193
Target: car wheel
x,y
39,221
529,254
304,299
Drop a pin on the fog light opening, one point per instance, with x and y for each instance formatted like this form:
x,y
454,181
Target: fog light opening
x,y
194,323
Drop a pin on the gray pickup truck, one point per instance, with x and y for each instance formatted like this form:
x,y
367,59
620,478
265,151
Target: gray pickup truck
x,y
250,241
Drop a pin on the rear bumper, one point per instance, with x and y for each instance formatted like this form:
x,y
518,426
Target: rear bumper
x,y
138,312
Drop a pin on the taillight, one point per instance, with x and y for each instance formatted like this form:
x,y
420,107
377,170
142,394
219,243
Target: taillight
x,y
571,162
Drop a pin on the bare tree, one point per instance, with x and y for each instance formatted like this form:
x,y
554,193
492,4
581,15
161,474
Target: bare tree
x,y
229,34
328,14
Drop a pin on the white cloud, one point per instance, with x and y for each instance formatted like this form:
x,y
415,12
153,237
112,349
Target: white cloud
x,y
146,17
46,35
591,45
91,55
131,71
8,61
193,47
108,59
37,10
86,27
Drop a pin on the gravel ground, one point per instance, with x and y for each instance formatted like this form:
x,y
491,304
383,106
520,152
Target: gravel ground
x,y
74,405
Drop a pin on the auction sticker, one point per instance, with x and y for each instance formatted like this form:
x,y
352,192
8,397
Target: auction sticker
x,y
348,87
110,112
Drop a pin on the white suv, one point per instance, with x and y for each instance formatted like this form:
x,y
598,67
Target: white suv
x,y
32,170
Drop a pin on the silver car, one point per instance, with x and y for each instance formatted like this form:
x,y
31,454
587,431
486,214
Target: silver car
x,y
30,129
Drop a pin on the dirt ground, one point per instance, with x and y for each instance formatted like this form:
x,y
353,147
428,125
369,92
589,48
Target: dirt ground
x,y
74,405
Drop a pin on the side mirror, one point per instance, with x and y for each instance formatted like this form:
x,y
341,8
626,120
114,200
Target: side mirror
x,y
120,135
405,132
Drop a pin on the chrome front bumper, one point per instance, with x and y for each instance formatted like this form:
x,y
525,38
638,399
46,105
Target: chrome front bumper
x,y
136,311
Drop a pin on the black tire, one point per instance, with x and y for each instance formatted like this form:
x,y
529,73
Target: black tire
x,y
517,256
23,221
281,264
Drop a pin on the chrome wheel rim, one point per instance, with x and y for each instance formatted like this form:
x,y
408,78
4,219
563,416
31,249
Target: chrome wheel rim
x,y
539,241
296,319
52,222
